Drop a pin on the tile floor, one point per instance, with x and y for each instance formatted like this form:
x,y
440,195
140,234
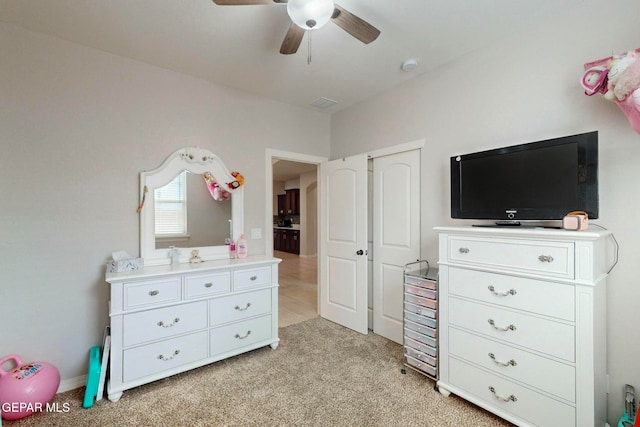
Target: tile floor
x,y
298,292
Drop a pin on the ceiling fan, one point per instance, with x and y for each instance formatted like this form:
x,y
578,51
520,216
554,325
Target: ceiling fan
x,y
309,15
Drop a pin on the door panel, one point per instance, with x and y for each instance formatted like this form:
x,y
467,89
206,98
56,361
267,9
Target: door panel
x,y
396,239
343,230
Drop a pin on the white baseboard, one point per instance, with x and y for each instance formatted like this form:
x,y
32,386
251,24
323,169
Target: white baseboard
x,y
72,383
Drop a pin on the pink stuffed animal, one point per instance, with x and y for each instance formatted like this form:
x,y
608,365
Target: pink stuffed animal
x,y
623,86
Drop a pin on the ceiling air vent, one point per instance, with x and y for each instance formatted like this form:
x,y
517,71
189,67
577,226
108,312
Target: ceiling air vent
x,y
323,103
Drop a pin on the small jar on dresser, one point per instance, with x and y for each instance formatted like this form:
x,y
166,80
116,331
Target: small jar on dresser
x,y
522,323
172,318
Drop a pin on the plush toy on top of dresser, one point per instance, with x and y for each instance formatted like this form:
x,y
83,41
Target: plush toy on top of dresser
x,y
620,83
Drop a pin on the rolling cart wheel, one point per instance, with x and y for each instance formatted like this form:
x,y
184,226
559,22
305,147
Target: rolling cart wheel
x,y
403,371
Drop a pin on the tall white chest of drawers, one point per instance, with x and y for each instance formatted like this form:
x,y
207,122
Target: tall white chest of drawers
x,y
170,319
522,323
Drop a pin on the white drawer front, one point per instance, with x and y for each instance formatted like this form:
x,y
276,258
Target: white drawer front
x,y
207,285
546,336
554,259
535,408
241,306
254,278
535,296
241,334
163,322
162,356
141,294
545,374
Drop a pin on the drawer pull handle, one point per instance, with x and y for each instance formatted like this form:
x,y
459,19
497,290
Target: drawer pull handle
x,y
511,327
511,398
243,309
168,325
464,250
509,363
502,294
241,338
545,258
153,293
208,285
253,278
162,357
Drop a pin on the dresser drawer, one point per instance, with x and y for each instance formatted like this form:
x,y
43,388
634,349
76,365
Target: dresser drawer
x,y
162,356
546,336
241,334
552,259
254,278
163,322
242,306
423,320
536,408
544,374
536,296
421,292
148,293
207,285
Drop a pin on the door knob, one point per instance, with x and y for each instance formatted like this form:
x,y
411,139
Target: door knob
x,y
360,252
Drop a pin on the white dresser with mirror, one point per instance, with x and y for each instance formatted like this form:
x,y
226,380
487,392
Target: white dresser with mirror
x,y
168,318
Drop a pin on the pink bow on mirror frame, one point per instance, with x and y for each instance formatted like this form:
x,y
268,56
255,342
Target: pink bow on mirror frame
x,y
218,193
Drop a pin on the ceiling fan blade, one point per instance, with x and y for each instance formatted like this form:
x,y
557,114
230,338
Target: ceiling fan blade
x,y
357,27
245,2
292,40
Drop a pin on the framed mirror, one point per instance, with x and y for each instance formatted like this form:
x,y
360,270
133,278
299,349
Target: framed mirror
x,y
179,208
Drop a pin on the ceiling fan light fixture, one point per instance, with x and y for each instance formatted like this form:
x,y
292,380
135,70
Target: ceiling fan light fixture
x,y
310,14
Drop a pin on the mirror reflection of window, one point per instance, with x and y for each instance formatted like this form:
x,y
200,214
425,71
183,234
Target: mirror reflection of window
x,y
171,208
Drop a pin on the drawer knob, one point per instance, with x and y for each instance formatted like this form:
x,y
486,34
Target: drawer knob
x,y
153,293
168,325
237,308
243,337
511,327
253,278
498,362
464,250
166,358
208,285
511,398
501,294
545,258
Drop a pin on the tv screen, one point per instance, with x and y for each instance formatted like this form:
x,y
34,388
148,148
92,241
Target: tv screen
x,y
541,180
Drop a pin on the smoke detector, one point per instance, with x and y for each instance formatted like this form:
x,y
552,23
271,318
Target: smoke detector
x,y
409,65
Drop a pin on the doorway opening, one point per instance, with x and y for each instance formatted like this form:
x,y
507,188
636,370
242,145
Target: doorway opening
x,y
292,215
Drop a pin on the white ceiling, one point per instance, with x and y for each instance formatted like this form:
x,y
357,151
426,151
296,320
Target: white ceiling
x,y
238,46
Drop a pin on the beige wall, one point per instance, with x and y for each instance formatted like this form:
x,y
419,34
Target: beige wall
x,y
523,89
77,126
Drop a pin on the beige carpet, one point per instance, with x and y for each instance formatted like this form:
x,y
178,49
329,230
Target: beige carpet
x,y
321,375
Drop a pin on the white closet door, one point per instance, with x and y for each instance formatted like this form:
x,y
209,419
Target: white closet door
x,y
396,236
343,230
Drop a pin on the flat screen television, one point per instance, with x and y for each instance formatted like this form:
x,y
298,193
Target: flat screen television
x,y
536,181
